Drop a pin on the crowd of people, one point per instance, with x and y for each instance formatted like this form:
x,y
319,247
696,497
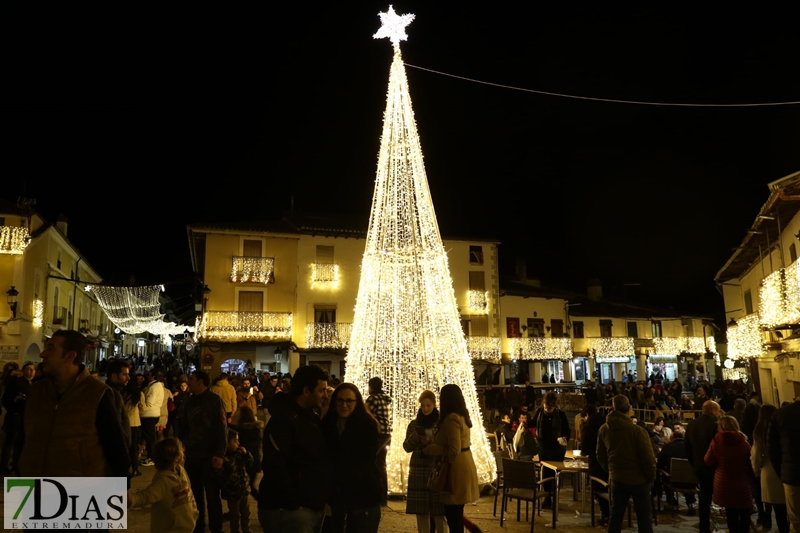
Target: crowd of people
x,y
743,455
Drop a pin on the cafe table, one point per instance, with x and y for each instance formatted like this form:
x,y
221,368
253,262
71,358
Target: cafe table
x,y
572,463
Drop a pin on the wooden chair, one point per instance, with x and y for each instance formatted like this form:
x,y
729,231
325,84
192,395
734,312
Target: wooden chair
x,y
680,478
519,483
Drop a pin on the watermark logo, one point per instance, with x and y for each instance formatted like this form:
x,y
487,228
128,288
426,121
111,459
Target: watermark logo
x,y
77,503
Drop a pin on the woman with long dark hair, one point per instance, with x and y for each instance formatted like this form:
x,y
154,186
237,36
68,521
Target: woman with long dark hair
x,y
420,500
351,436
134,400
772,493
452,441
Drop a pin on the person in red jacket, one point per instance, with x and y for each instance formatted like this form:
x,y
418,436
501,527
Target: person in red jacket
x,y
729,453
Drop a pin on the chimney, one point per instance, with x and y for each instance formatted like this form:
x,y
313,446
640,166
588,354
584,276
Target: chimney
x,y
61,223
595,290
521,269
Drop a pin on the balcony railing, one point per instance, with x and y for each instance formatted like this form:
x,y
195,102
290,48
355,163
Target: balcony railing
x,y
333,336
13,239
253,269
478,301
61,317
324,275
611,349
541,348
233,326
484,348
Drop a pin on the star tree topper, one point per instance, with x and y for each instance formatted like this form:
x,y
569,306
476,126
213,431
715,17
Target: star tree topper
x,y
393,26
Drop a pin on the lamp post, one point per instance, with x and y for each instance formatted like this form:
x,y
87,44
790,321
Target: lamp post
x,y
278,355
185,348
12,294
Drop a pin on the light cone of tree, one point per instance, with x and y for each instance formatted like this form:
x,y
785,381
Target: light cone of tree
x,y
407,328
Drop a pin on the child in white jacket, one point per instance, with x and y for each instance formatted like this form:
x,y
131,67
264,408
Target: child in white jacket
x,y
174,509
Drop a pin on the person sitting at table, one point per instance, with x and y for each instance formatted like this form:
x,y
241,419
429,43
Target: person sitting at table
x,y
524,442
592,422
552,434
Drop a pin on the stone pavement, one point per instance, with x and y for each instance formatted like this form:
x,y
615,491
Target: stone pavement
x,y
572,518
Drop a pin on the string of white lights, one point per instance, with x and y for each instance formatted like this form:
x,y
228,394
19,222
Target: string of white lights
x,y
593,99
745,340
611,349
541,348
331,335
482,348
252,269
13,239
407,328
135,309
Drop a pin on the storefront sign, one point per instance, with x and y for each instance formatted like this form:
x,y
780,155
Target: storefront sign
x,y
9,353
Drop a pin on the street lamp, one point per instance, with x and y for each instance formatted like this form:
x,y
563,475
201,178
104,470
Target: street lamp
x,y
206,292
278,354
12,300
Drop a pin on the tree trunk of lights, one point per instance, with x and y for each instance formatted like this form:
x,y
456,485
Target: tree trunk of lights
x,y
407,327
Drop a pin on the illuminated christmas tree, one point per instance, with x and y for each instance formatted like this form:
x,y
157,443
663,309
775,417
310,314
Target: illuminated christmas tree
x,y
407,328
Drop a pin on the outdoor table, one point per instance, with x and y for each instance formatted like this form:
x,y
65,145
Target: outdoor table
x,y
562,466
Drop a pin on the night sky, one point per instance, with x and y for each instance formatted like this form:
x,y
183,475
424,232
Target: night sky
x,y
134,119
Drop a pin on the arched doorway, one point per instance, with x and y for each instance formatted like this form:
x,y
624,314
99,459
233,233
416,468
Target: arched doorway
x,y
233,366
33,352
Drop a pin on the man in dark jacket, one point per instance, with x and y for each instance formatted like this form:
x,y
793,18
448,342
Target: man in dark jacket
x,y
293,497
784,442
625,452
751,416
699,435
14,398
203,429
675,449
552,435
592,422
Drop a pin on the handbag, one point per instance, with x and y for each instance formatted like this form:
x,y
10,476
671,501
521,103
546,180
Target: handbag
x,y
438,476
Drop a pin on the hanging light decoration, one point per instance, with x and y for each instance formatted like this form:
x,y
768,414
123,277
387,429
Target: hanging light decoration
x,y
324,275
335,335
478,302
611,349
252,269
406,327
38,313
482,348
135,309
541,348
745,340
13,239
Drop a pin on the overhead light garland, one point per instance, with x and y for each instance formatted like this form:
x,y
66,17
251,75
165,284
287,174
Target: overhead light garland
x,y
732,374
541,348
135,309
13,239
406,327
233,326
252,269
324,275
482,348
611,349
745,340
334,335
478,302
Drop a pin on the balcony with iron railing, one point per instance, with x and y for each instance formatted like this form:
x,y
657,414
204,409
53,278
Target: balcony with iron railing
x,y
234,326
332,335
13,239
482,348
61,317
252,269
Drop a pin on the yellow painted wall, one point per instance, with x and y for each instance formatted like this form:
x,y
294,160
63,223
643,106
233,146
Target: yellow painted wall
x,y
523,308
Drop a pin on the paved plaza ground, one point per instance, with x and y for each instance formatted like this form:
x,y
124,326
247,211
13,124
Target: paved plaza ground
x,y
572,517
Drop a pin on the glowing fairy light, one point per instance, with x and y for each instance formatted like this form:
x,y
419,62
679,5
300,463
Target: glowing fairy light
x,y
232,326
745,340
478,302
329,335
324,275
38,313
484,348
252,269
611,349
407,327
541,348
13,239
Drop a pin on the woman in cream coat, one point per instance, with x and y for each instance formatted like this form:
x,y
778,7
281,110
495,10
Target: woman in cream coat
x,y
452,440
